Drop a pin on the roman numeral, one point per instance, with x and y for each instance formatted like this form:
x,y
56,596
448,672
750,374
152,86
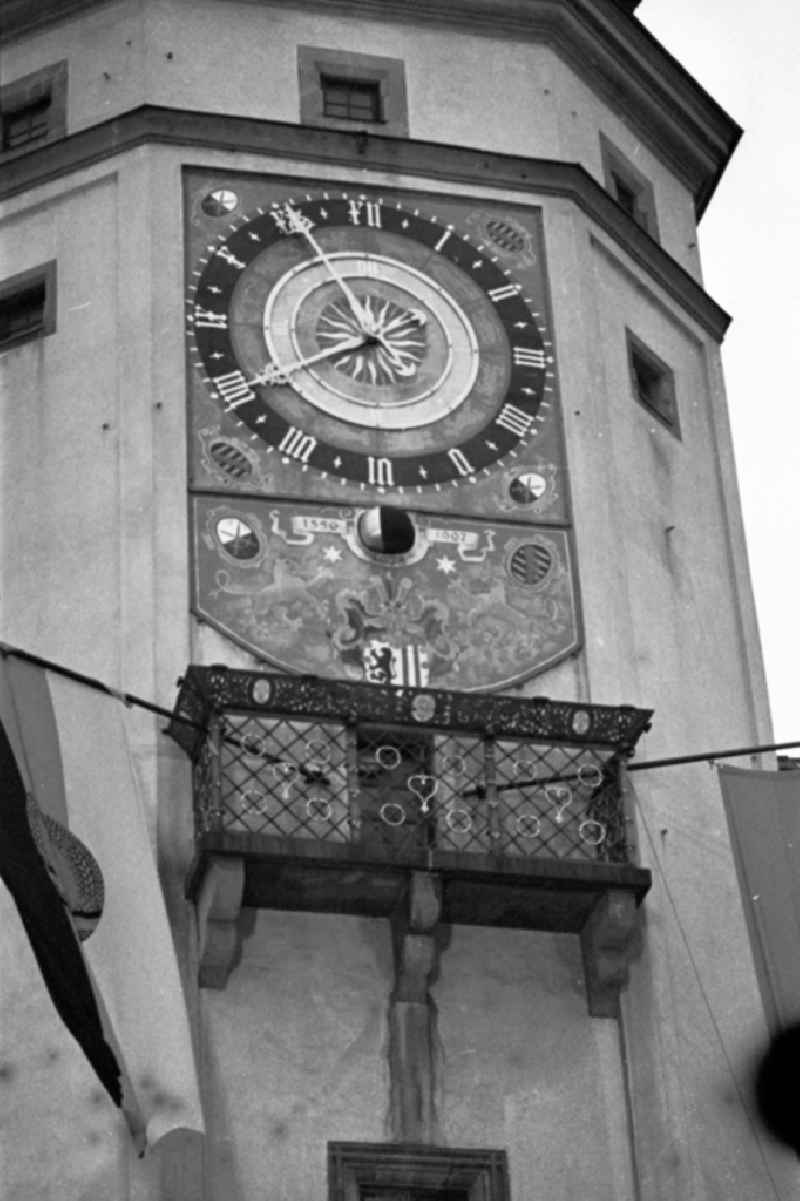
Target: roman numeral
x,y
526,356
515,420
206,319
369,209
233,388
460,462
380,472
506,292
297,444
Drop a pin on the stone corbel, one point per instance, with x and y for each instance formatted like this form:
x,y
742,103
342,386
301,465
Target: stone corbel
x,y
608,943
219,904
411,1013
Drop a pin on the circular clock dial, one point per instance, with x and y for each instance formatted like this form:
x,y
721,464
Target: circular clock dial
x,y
368,341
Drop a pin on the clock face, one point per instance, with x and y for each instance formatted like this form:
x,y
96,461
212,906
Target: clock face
x,y
369,341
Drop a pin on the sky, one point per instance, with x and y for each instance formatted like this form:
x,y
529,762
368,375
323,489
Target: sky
x,y
746,56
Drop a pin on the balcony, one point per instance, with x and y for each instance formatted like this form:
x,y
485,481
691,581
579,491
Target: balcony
x,y
344,797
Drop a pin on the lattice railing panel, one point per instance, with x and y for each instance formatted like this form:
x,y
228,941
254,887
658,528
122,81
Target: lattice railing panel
x,y
285,778
402,790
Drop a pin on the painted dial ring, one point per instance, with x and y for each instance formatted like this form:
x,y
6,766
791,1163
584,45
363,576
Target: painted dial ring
x,y
425,361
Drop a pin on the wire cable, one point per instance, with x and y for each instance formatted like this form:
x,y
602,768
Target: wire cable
x,y
131,699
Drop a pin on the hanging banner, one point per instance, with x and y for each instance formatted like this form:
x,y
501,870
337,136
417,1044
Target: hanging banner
x,y
763,810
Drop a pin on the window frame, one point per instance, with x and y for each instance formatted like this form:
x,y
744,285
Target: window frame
x,y
25,281
617,170
367,86
481,1174
20,94
315,63
665,406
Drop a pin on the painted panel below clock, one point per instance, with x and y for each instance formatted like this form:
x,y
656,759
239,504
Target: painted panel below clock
x,y
473,605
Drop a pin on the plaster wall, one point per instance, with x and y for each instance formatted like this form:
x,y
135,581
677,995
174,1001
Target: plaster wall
x,y
104,49
581,114
512,97
295,1053
653,510
60,433
60,1136
524,1067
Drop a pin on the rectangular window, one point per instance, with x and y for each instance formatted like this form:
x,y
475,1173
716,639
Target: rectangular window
x,y
652,383
624,195
27,306
33,109
342,89
31,123
391,1172
351,99
631,189
413,1194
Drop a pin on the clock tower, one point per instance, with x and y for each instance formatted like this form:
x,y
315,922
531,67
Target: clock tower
x,y
359,375
359,354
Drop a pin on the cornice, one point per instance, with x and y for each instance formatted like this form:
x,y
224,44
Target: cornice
x,y
601,39
613,52
193,131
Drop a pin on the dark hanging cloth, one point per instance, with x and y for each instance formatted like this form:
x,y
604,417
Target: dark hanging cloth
x,y
50,931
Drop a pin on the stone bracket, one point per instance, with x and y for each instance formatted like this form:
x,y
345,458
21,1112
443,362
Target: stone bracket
x,y
412,1017
608,944
219,904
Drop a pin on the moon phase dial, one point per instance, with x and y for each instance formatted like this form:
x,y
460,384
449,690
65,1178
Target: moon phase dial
x,y
369,342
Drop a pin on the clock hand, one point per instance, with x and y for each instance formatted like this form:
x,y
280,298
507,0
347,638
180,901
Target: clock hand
x,y
298,223
275,374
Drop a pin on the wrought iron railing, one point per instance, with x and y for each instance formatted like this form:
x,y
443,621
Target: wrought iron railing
x,y
401,773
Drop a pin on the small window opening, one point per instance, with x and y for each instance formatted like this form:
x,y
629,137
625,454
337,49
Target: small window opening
x,y
653,383
29,123
632,190
22,314
625,196
647,381
351,99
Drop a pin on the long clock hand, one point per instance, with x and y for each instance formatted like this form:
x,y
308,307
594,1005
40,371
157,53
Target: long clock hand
x,y
297,222
274,373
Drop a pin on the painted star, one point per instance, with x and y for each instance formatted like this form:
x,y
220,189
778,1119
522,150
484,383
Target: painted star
x,y
446,565
332,554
